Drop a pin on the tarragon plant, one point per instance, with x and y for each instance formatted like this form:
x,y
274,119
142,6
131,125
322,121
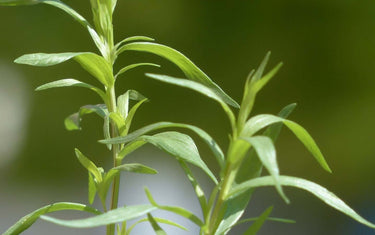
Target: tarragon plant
x,y
250,150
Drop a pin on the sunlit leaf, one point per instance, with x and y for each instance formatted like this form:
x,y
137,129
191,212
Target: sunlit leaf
x,y
130,116
130,147
26,221
267,154
71,83
317,190
113,216
180,146
177,210
251,167
133,39
159,125
255,227
258,122
96,65
190,70
89,165
123,101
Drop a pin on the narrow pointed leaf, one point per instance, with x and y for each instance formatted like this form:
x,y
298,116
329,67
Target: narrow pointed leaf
x,y
106,130
159,125
180,146
204,90
71,83
89,165
255,227
130,147
96,65
26,221
118,120
73,122
130,116
177,210
133,66
267,154
92,189
136,168
258,122
134,38
197,188
110,217
190,70
317,190
251,168
158,230
159,220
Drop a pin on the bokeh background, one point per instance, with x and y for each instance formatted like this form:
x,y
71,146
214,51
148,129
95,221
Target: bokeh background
x,y
328,50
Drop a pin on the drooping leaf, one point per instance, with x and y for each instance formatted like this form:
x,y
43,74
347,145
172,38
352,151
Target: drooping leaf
x,y
113,216
197,188
177,210
73,122
133,66
71,83
26,221
159,220
159,125
317,190
251,167
134,38
158,230
190,70
96,65
255,227
267,154
180,146
258,122
198,88
89,165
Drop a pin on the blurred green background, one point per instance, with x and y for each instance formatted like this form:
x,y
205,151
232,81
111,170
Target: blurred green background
x,y
328,52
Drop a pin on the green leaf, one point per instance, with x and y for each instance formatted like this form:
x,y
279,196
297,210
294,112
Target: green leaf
x,y
26,221
71,83
119,121
255,227
190,70
92,189
113,216
177,210
251,167
123,101
136,168
134,38
158,230
317,190
159,220
89,165
159,125
96,65
133,66
131,114
129,148
106,131
204,90
73,122
267,154
258,122
254,83
180,146
197,188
